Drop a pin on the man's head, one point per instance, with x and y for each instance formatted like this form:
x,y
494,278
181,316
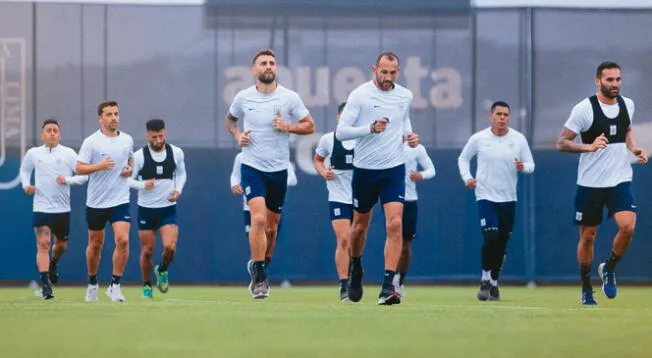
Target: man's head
x,y
108,113
50,133
386,70
499,116
607,78
340,108
263,66
156,133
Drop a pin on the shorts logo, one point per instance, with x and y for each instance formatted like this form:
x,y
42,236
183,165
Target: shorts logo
x,y
337,212
355,203
248,190
578,215
483,222
246,228
143,222
127,217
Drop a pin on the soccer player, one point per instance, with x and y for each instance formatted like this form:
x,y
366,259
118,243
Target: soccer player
x,y
106,157
377,116
414,157
236,188
159,175
604,174
338,173
270,112
53,165
502,152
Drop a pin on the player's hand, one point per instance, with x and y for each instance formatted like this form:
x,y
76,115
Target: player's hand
x,y
519,165
237,189
106,164
61,180
30,189
280,124
599,143
243,138
471,183
641,155
173,196
126,171
412,139
379,125
150,184
415,176
329,174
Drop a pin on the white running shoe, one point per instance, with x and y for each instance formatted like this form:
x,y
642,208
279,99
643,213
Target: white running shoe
x,y
115,293
91,293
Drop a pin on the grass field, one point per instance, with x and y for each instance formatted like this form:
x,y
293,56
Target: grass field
x,y
434,321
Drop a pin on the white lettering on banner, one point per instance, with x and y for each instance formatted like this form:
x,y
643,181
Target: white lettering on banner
x,y
320,87
12,102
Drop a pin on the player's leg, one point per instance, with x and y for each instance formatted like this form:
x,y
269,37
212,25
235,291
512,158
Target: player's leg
x,y
341,215
120,219
489,225
410,213
61,230
96,220
43,236
365,189
146,236
392,197
589,203
276,187
622,207
169,231
506,218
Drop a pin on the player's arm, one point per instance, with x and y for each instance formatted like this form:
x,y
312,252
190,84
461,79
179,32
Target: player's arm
x,y
74,179
132,181
579,120
231,120
26,168
321,152
423,159
292,176
236,188
526,157
346,126
305,126
409,136
464,160
180,173
630,141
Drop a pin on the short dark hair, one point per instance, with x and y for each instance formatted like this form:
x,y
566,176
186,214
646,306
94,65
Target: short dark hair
x,y
499,104
155,125
263,52
49,121
106,104
340,108
391,56
606,65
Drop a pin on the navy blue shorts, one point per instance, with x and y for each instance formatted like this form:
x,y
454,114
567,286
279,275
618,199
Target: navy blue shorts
x,y
497,216
97,218
370,184
410,213
340,210
590,202
59,223
155,218
271,186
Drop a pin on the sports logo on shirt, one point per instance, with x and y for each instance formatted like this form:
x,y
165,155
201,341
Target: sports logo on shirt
x,y
13,103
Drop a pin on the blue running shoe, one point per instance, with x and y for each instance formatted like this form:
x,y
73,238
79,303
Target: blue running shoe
x,y
148,292
609,287
587,298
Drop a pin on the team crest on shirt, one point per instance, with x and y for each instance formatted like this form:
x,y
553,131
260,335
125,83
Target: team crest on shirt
x,y
58,160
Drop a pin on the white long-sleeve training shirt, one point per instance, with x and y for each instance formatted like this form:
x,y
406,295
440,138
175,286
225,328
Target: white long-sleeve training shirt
x,y
496,172
48,164
415,157
163,188
366,104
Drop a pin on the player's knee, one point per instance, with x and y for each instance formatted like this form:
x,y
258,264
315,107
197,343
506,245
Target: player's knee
x,y
170,248
394,225
587,237
122,242
627,230
43,244
270,233
146,252
343,242
257,221
358,229
61,245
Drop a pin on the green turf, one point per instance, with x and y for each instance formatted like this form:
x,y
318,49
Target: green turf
x,y
309,322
